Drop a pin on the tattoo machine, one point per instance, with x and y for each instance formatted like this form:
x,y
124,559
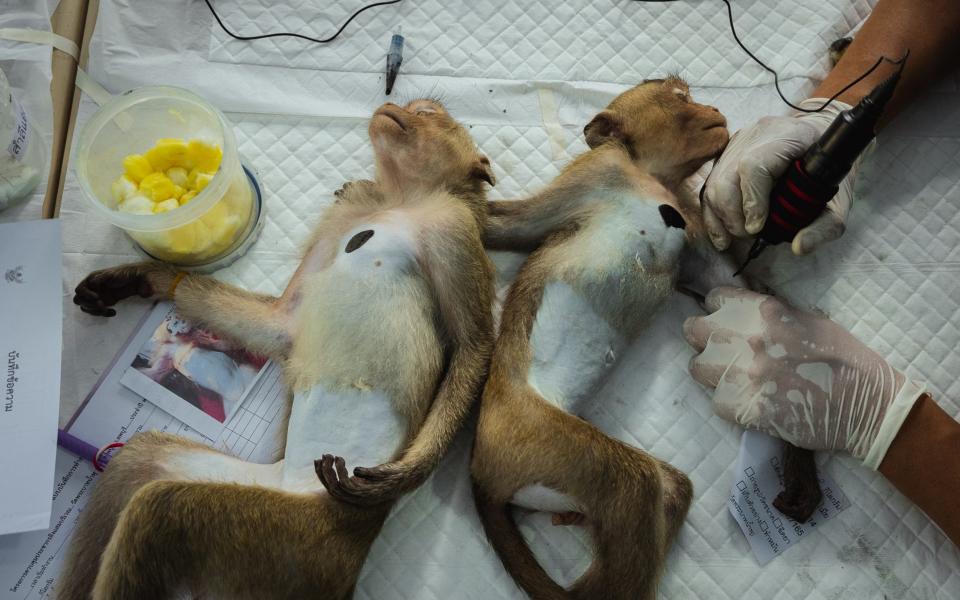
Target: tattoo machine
x,y
394,59
802,193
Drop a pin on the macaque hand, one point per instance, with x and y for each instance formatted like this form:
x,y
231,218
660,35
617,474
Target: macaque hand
x,y
797,375
104,288
735,199
367,486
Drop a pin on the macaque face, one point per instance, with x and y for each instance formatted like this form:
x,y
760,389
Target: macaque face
x,y
420,146
662,127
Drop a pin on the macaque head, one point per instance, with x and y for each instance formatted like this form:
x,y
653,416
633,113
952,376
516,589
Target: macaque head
x,y
662,127
419,146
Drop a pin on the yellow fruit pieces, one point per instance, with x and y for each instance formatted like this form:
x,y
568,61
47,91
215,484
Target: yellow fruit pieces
x,y
173,170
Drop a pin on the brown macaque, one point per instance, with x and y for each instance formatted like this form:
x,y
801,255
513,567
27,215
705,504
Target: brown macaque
x,y
607,237
384,335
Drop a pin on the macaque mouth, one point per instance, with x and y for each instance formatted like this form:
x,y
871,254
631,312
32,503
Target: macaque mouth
x,y
358,240
671,217
392,117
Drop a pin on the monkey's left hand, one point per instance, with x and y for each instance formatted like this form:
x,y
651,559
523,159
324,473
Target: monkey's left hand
x,y
367,486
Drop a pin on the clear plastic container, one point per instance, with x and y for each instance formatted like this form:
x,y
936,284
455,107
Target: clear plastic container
x,y
217,223
22,151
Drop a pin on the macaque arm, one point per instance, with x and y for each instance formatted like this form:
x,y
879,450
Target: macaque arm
x,y
254,322
461,279
522,225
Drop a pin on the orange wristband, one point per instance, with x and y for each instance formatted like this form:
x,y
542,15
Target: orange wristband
x,y
176,281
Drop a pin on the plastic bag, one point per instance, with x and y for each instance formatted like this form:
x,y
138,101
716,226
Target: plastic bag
x,y
26,111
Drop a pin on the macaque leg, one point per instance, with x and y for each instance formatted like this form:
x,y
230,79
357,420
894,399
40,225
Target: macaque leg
x,y
255,322
133,467
633,503
801,493
235,541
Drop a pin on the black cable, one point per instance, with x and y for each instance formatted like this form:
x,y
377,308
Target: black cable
x,y
296,35
733,30
776,79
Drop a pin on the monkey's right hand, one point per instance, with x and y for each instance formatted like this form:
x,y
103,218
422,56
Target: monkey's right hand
x,y
797,375
104,288
735,199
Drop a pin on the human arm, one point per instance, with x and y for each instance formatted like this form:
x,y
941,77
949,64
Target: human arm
x,y
927,450
736,195
802,377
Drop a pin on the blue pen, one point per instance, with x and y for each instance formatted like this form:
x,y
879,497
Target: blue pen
x,y
394,58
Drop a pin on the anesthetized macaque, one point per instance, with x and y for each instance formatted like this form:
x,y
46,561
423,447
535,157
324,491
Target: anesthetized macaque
x,y
608,234
384,335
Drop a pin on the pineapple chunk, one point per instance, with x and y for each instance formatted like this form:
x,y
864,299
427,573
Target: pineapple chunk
x,y
183,240
178,175
167,153
187,197
203,156
157,186
137,205
202,180
162,207
136,167
122,189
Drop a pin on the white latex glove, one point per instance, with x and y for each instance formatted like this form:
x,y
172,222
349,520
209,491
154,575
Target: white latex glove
x,y
797,375
736,197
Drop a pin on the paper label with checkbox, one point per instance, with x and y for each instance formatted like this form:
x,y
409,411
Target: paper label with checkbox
x,y
757,481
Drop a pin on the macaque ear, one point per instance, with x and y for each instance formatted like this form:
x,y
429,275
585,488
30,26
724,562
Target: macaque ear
x,y
483,170
605,126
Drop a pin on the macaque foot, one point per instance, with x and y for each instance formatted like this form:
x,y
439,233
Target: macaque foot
x,y
568,518
801,489
360,186
367,486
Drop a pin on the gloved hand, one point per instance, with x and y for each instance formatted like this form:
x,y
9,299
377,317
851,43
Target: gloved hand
x,y
736,195
797,375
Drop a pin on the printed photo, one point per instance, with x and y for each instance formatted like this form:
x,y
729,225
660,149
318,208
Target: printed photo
x,y
182,366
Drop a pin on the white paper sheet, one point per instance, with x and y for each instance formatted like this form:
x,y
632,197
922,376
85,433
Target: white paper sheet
x,y
757,480
31,562
30,344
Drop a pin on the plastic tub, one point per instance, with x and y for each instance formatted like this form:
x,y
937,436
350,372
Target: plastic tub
x,y
217,223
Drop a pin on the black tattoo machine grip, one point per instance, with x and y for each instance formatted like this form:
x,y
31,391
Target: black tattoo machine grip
x,y
811,181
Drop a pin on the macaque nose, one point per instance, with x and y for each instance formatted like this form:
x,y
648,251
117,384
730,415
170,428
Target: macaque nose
x,y
671,217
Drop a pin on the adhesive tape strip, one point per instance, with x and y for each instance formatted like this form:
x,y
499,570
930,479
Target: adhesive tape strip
x,y
90,86
35,36
551,122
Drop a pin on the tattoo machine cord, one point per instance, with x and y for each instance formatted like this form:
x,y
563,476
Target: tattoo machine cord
x,y
776,77
296,35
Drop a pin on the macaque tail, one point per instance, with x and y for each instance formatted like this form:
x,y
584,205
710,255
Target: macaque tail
x,y
514,553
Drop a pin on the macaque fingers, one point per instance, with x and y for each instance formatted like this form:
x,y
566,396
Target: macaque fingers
x,y
386,485
102,289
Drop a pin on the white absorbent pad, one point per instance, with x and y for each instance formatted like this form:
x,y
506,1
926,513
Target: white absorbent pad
x,y
525,77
